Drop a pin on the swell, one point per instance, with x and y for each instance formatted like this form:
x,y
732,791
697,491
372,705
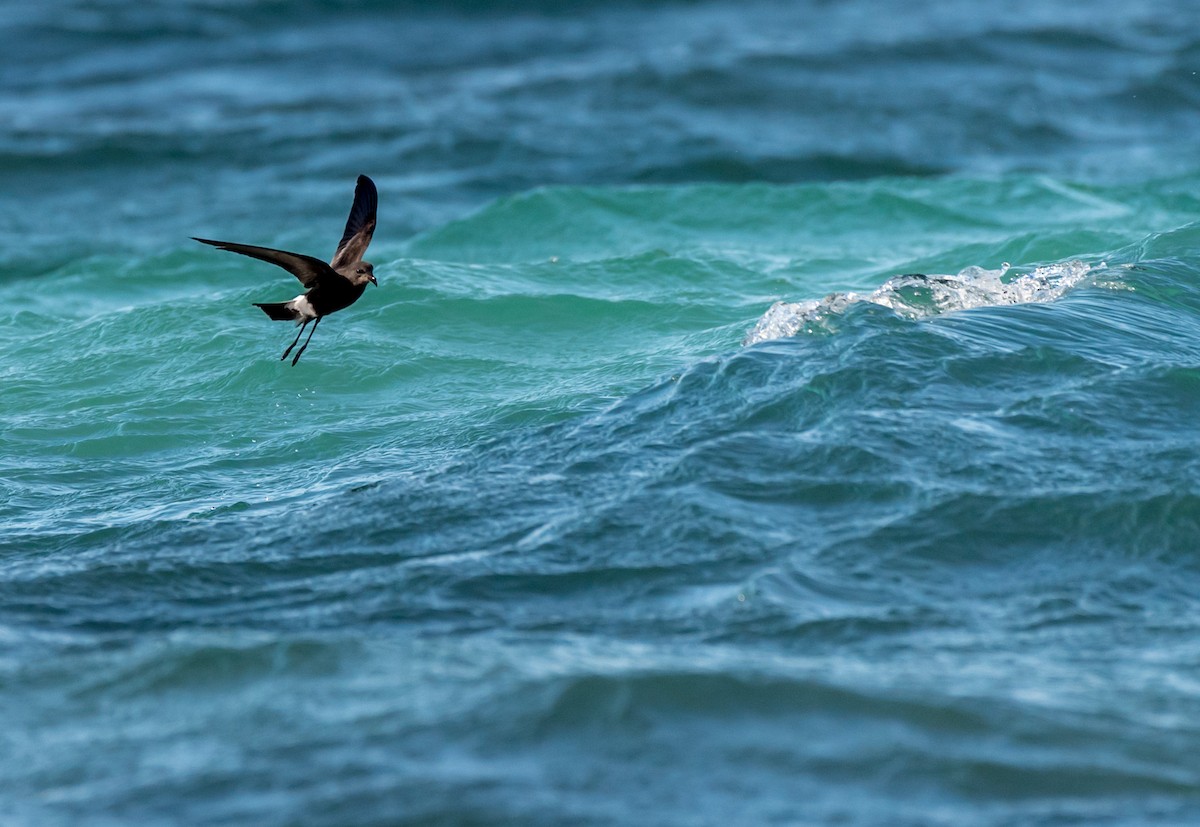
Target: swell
x,y
1034,430
601,325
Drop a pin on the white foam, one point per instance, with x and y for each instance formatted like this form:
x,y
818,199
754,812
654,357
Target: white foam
x,y
921,296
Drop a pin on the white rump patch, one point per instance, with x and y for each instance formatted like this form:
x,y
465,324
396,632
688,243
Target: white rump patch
x,y
304,307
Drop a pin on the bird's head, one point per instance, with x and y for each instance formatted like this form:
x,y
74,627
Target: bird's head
x,y
364,272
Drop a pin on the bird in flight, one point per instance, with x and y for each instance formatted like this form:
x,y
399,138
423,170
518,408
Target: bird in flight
x,y
332,286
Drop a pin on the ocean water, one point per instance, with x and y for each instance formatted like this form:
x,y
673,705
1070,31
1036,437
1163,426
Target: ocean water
x,y
769,413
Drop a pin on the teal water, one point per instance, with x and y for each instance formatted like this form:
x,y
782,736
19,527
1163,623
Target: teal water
x,y
641,490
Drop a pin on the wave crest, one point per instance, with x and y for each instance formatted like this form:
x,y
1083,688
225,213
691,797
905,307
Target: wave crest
x,y
919,296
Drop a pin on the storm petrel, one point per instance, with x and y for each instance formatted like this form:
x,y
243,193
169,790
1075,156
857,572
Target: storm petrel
x,y
331,286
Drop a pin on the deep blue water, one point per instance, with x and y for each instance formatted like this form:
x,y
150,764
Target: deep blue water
x,y
646,488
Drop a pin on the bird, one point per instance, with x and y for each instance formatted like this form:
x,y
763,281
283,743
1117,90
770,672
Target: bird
x,y
331,287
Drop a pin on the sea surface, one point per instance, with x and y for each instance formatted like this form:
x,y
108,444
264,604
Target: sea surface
x,y
769,413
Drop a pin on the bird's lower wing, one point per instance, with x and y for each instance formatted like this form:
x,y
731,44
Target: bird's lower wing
x,y
309,270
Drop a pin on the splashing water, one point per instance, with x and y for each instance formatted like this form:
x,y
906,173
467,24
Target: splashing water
x,y
918,296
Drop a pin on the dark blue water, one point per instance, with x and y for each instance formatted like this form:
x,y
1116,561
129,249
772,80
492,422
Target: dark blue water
x,y
646,488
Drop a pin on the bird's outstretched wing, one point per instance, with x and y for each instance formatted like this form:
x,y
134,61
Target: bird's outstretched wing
x,y
311,271
360,225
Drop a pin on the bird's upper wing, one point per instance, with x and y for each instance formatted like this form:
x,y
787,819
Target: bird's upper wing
x,y
311,271
360,225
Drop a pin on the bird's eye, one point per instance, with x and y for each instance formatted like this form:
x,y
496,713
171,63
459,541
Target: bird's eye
x,y
360,271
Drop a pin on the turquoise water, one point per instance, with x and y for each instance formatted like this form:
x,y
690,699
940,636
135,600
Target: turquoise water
x,y
643,489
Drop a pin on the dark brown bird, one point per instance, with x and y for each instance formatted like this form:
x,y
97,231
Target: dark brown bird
x,y
331,286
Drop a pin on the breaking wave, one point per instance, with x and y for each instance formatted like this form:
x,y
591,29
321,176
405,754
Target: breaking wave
x,y
919,296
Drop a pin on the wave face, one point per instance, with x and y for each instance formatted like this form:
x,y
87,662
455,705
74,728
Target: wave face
x,y
646,487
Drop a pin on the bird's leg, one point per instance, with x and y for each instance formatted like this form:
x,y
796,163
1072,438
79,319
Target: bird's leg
x,y
293,344
306,341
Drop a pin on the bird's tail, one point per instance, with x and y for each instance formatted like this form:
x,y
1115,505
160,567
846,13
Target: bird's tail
x,y
280,311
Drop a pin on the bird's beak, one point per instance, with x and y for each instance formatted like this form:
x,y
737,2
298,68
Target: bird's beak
x,y
372,280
